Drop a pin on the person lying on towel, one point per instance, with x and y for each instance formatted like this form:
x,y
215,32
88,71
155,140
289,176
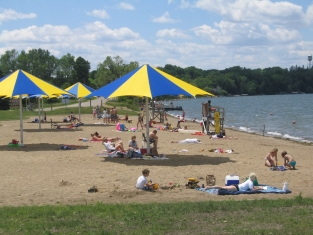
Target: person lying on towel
x,y
245,186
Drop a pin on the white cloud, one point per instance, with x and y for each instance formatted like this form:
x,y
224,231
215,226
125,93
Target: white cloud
x,y
99,14
165,18
126,6
245,34
9,14
173,33
254,11
170,1
185,4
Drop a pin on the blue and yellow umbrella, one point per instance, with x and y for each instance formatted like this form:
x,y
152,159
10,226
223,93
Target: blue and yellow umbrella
x,y
22,83
80,90
149,82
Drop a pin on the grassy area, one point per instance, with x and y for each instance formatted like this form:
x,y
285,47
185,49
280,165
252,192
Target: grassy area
x,y
14,114
282,216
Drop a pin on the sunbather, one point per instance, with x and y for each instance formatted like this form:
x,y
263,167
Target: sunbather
x,y
112,147
96,137
247,185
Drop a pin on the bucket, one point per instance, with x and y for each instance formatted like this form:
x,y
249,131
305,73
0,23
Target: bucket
x,y
155,186
285,186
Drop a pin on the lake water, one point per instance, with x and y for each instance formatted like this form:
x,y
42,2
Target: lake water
x,y
285,116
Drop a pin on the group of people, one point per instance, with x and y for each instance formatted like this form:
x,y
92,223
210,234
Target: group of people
x,y
116,144
108,115
271,159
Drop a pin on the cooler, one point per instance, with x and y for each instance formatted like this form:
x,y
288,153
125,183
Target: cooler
x,y
231,179
144,150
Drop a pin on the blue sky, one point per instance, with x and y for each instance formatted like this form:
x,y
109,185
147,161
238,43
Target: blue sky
x,y
208,34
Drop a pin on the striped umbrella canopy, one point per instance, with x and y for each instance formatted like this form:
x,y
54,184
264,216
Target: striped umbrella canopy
x,y
150,82
22,83
80,90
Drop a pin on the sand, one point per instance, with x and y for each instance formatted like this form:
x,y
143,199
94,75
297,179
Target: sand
x,y
42,174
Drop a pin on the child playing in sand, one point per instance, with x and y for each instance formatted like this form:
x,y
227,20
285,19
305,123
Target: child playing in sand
x,y
142,181
269,159
289,161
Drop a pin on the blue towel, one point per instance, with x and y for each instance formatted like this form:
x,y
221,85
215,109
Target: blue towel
x,y
270,189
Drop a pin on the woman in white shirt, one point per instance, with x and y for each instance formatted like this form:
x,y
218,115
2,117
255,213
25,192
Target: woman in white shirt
x,y
245,186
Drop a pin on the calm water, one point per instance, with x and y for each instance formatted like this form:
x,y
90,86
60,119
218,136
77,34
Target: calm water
x,y
250,113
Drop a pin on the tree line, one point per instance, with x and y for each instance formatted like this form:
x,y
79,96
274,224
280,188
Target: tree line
x,y
235,80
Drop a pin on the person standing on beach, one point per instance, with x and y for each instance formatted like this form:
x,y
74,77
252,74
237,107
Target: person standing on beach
x,y
153,137
98,112
93,112
140,119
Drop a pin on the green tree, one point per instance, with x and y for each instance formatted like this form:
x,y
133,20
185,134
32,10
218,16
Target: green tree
x,y
82,68
38,62
8,61
112,69
65,71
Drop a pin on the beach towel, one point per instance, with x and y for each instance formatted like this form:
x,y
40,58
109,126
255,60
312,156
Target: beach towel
x,y
279,168
114,154
267,189
66,147
153,158
190,141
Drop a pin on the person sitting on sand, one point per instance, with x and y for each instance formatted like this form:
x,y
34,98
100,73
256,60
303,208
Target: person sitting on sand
x,y
269,159
289,161
67,119
133,144
112,147
142,181
247,185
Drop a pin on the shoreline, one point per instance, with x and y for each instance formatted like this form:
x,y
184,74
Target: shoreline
x,y
42,174
305,142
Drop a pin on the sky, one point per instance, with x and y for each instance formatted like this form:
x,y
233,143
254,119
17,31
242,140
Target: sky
x,y
207,34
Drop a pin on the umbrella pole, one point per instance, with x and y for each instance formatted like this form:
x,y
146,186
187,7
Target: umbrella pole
x,y
79,109
21,121
39,112
147,125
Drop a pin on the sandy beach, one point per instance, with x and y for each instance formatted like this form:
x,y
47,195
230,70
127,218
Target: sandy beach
x,y
42,174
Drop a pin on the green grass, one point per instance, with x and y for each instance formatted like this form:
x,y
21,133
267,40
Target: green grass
x,y
14,114
282,216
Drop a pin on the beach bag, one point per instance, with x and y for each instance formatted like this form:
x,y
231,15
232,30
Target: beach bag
x,y
120,155
133,154
122,127
210,180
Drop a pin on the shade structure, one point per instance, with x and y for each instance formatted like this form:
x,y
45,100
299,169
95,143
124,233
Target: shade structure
x,y
147,81
22,83
80,90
